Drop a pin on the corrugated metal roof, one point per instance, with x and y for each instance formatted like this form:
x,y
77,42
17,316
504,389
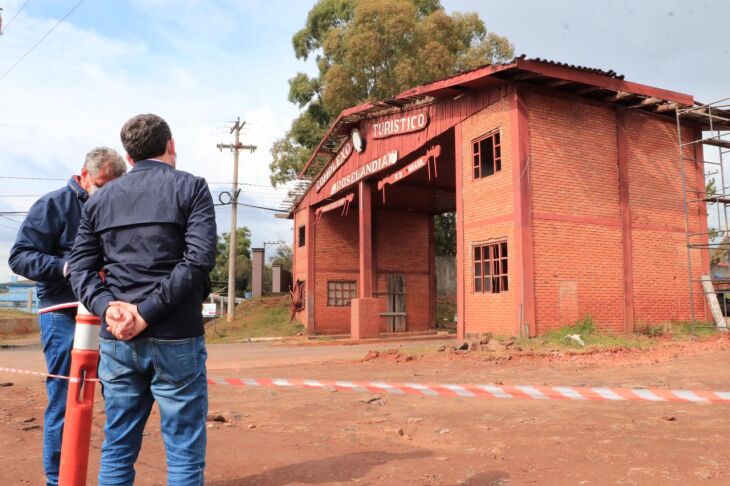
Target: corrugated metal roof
x,y
610,73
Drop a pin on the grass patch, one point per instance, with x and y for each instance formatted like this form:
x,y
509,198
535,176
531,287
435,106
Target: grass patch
x,y
678,330
13,314
646,336
445,310
588,332
262,317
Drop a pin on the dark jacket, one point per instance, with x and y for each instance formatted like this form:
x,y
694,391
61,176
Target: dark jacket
x,y
44,240
153,233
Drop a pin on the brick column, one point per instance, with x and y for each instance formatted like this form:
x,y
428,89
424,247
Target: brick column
x,y
276,283
309,238
524,260
626,238
257,272
364,318
460,257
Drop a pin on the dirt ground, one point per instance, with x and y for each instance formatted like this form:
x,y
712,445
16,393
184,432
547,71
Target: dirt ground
x,y
282,437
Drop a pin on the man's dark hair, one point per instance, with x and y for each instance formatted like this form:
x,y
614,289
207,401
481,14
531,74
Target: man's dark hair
x,y
145,136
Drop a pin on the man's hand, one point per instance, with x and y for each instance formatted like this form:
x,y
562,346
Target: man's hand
x,y
125,321
120,321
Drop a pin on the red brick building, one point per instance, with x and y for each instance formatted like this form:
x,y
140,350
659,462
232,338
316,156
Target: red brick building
x,y
568,192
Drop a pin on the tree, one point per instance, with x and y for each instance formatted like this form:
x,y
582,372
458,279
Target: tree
x,y
219,275
283,257
445,229
367,50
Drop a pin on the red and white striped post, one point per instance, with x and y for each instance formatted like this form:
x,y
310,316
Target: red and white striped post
x,y
80,402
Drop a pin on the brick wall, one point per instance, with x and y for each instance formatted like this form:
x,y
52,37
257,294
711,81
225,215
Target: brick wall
x,y
657,215
576,216
337,258
488,216
575,213
401,245
300,263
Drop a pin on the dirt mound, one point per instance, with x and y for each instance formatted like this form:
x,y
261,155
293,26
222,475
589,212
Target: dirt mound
x,y
392,355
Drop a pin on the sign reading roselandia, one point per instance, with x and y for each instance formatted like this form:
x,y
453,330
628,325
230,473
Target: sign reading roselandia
x,y
363,171
336,163
406,123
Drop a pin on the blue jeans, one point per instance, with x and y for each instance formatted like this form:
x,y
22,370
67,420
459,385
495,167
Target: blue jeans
x,y
137,373
57,337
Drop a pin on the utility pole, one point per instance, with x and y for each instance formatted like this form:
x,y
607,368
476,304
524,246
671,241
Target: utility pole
x,y
235,148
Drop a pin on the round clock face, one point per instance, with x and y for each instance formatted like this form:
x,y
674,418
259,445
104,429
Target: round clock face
x,y
357,142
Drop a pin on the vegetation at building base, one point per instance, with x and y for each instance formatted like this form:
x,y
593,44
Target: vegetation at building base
x,y
646,335
562,341
445,311
255,318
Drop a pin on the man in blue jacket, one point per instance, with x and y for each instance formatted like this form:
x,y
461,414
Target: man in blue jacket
x,y
154,234
40,252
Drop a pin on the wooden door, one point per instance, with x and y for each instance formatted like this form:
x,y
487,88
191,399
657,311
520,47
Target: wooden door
x,y
396,303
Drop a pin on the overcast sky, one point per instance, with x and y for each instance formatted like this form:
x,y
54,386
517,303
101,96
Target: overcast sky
x,y
200,64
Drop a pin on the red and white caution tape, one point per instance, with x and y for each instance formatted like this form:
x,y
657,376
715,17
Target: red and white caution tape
x,y
44,375
526,392
490,390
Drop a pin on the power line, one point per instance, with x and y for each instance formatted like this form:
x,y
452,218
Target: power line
x,y
10,219
32,178
40,40
3,225
209,183
15,16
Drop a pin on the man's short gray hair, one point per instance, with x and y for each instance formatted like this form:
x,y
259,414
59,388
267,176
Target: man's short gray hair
x,y
106,159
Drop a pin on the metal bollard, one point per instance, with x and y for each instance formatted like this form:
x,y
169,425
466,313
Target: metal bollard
x,y
80,402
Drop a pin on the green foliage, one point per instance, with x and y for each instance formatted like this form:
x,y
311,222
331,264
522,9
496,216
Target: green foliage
x,y
588,332
445,310
284,255
653,330
677,330
584,328
219,275
719,252
445,229
370,50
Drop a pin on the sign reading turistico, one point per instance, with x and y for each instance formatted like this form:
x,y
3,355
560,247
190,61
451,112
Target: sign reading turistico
x,y
336,163
361,172
405,123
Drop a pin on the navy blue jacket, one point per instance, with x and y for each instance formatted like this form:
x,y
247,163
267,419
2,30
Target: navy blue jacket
x,y
44,241
153,233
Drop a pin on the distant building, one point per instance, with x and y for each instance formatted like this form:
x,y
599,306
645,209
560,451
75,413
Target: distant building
x,y
14,294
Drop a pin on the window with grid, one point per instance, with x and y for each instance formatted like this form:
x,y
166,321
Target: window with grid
x,y
340,293
490,268
487,154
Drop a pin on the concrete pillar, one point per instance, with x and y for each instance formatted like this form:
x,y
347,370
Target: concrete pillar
x,y
276,278
257,272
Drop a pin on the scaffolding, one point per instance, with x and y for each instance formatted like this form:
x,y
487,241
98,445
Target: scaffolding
x,y
709,146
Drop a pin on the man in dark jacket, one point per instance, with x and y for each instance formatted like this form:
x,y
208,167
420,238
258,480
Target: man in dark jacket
x,y
154,234
40,252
